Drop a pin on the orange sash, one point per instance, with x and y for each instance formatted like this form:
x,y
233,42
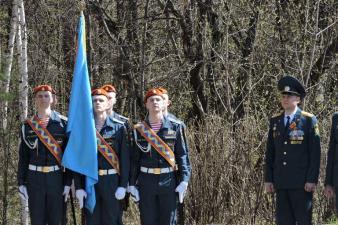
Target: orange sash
x,y
46,138
108,152
154,140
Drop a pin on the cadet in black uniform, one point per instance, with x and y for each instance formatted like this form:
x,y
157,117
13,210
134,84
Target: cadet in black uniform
x,y
292,157
111,90
113,163
159,152
331,180
174,119
40,176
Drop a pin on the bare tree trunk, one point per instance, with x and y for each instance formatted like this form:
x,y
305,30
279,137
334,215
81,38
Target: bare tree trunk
x,y
23,86
7,78
9,59
23,63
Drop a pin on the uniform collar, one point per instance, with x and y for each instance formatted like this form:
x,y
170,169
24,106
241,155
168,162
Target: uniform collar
x,y
54,116
113,114
292,115
165,122
109,122
298,113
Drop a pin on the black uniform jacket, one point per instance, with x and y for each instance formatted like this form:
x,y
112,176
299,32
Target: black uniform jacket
x,y
115,134
293,154
33,151
171,133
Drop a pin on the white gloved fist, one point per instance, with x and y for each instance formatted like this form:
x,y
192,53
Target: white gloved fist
x,y
120,193
134,193
181,189
66,190
80,195
23,192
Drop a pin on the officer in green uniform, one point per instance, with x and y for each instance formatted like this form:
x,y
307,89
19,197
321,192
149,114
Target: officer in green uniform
x,y
331,179
42,181
292,156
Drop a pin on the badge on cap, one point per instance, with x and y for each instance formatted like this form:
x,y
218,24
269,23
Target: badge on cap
x,y
286,88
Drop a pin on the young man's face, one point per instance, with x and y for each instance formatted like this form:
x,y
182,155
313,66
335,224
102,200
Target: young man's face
x,y
111,99
289,102
43,99
155,104
100,103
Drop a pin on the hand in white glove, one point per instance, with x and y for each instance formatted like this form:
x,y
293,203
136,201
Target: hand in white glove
x,y
134,193
181,189
66,190
23,192
120,193
80,195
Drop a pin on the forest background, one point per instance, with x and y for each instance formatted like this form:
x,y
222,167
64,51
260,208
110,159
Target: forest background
x,y
220,61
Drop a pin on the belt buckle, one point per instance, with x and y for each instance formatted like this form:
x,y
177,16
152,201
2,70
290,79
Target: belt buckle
x,y
45,169
157,171
102,172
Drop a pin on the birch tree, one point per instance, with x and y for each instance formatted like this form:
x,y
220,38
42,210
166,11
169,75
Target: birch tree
x,y
9,59
22,39
23,86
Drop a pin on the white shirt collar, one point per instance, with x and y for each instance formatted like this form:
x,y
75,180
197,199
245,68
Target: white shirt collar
x,y
292,115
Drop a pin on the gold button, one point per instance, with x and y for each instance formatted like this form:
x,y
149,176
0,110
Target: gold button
x,y
284,163
285,142
284,153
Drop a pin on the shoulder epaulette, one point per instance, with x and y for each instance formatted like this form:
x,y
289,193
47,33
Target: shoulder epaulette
x,y
307,114
63,117
118,121
123,117
277,114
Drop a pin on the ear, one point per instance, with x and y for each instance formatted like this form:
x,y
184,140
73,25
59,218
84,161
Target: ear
x,y
299,99
55,100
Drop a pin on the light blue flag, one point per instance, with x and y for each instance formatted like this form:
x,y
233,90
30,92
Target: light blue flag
x,y
81,151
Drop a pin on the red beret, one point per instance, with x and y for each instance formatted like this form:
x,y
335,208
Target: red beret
x,y
43,87
108,88
152,92
163,90
99,91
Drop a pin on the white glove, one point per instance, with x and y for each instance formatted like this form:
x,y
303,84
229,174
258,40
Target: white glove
x,y
23,192
120,193
181,189
66,190
134,193
80,195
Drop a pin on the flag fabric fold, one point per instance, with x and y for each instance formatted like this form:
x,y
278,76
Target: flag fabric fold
x,y
81,152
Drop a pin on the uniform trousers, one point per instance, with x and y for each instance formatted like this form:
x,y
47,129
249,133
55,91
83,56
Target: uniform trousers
x,y
45,200
294,206
158,199
107,208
